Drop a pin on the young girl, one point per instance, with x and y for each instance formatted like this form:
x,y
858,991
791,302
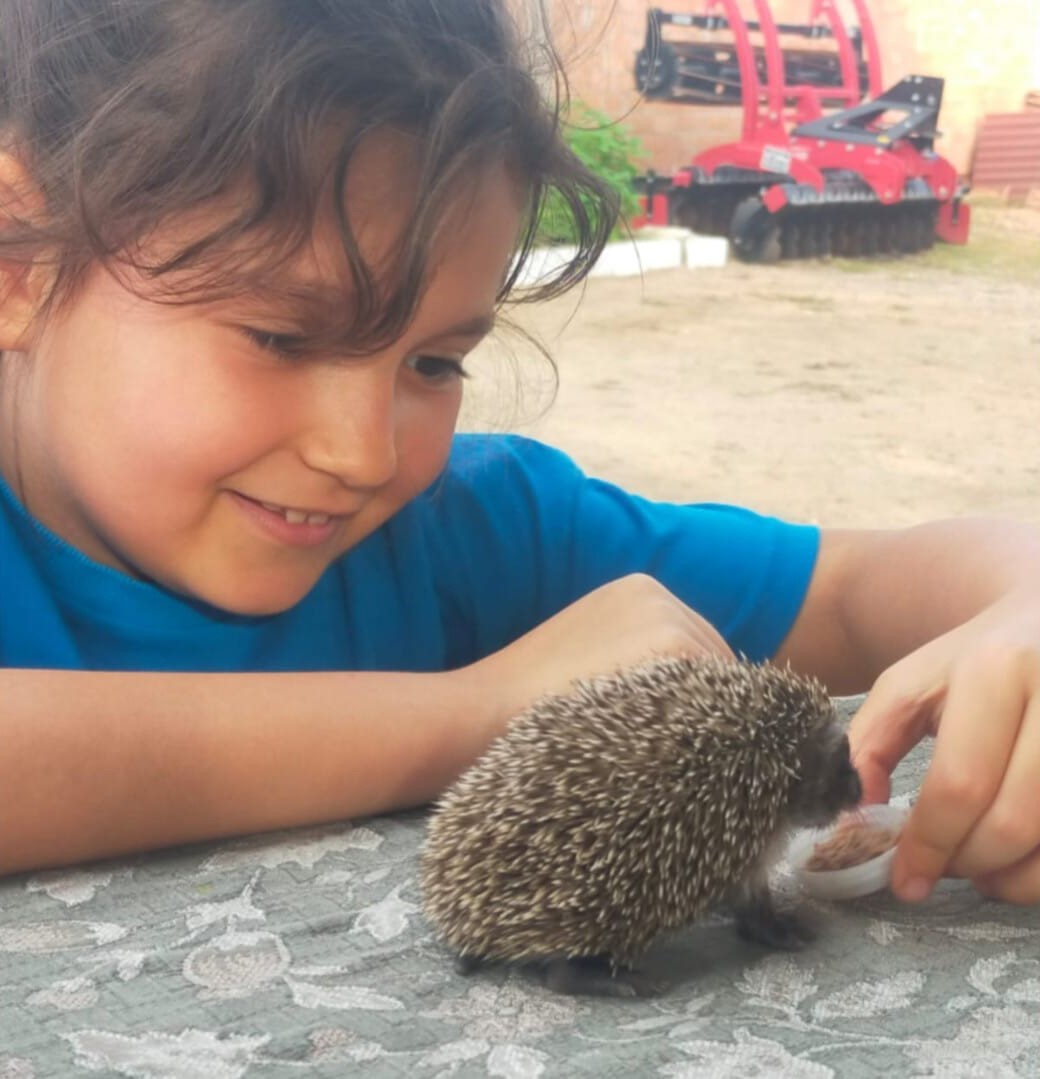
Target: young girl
x,y
249,577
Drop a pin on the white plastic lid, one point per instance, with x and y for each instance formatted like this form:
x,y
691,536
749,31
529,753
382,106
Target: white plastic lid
x,y
870,876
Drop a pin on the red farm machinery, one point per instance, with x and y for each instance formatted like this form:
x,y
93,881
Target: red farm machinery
x,y
827,162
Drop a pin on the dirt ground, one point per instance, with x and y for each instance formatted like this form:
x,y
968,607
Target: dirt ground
x,y
879,393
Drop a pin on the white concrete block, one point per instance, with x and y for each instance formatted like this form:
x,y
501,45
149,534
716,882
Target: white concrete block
x,y
627,258
543,263
650,249
705,251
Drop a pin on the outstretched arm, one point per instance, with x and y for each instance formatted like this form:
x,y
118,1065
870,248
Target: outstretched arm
x,y
97,764
943,621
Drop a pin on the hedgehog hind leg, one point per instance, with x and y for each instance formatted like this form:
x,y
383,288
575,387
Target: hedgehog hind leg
x,y
598,975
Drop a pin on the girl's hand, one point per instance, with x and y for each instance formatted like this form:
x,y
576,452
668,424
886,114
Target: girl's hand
x,y
977,690
618,624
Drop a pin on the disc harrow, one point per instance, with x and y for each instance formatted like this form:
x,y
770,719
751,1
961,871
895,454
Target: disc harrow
x,y
802,182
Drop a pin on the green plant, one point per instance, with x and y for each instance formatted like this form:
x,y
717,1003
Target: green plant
x,y
609,149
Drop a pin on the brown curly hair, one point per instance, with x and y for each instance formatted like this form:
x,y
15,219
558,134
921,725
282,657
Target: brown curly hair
x,y
127,114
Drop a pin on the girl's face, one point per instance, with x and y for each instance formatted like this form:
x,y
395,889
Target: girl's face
x,y
179,445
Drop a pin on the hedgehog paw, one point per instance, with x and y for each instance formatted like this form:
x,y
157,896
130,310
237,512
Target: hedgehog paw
x,y
786,932
468,964
595,976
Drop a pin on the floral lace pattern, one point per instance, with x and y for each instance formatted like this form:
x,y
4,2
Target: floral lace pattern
x,y
307,952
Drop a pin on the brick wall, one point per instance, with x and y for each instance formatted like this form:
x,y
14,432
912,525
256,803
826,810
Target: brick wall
x,y
989,54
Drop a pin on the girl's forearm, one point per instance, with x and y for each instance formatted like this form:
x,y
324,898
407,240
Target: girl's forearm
x,y
95,764
877,596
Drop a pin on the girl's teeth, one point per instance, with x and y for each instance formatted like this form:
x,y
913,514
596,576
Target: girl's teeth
x,y
297,517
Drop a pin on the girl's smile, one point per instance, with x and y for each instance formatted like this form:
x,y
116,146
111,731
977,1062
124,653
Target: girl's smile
x,y
293,527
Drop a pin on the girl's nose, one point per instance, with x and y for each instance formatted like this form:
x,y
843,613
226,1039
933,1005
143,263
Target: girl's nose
x,y
353,430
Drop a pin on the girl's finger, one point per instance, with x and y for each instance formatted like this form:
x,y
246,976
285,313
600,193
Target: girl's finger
x,y
887,726
967,768
1010,829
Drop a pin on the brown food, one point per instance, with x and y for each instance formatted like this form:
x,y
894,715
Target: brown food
x,y
853,843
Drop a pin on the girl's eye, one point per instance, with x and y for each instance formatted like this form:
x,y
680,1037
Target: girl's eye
x,y
281,344
437,368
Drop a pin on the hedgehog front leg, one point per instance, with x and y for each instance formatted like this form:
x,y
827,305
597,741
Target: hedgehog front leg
x,y
468,964
759,921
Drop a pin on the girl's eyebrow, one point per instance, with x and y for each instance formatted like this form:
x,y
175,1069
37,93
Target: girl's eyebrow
x,y
478,326
475,328
311,315
323,304
317,303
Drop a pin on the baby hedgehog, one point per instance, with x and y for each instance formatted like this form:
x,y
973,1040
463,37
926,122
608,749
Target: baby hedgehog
x,y
635,803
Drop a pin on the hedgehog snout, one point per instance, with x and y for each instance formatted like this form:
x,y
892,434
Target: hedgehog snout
x,y
846,787
830,783
850,788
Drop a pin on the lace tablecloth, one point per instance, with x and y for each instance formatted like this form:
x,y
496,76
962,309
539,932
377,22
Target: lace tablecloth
x,y
306,953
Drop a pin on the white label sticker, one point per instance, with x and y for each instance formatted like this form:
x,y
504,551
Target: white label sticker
x,y
775,159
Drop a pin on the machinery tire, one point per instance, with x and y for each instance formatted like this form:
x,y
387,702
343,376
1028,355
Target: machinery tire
x,y
791,240
841,243
684,212
906,238
753,233
918,230
769,249
854,237
656,74
818,241
889,239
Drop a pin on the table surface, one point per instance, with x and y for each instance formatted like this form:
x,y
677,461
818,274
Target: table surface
x,y
307,951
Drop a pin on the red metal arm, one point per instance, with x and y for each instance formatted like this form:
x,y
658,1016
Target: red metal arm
x,y
776,77
870,42
828,9
751,90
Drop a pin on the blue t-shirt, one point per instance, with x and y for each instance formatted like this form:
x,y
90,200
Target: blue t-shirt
x,y
510,534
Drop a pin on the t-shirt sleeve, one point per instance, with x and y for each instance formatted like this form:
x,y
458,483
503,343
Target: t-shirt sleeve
x,y
518,532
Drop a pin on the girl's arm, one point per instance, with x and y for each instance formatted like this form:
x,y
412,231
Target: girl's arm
x,y
944,620
100,764
876,596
